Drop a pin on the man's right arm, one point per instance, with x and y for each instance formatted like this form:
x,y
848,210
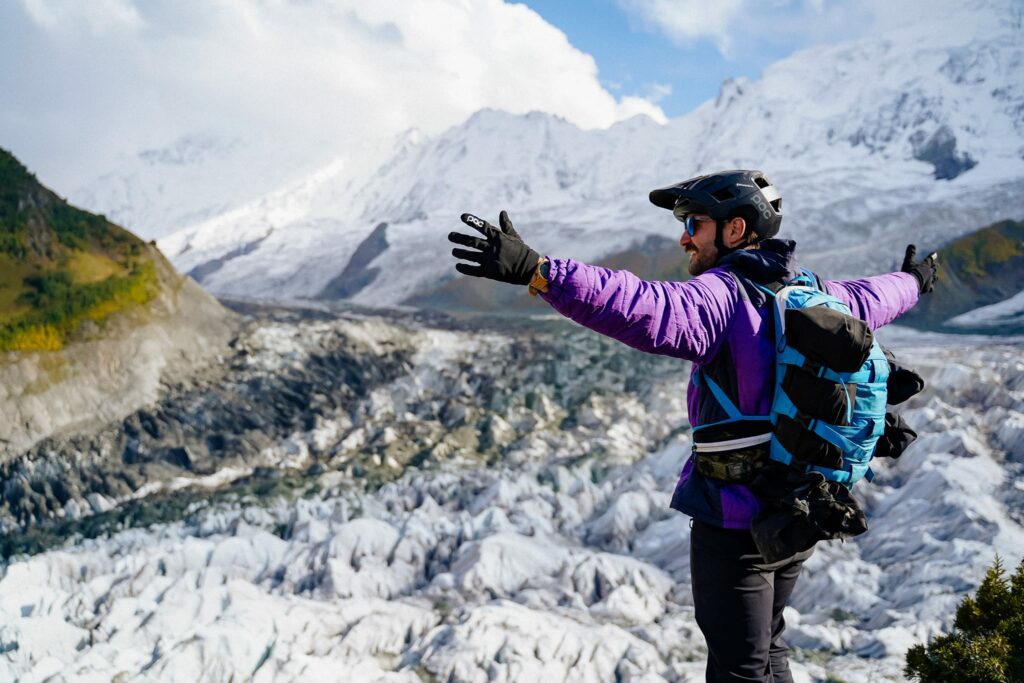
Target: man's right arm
x,y
682,319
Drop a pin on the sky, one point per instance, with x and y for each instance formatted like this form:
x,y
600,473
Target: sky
x,y
677,53
89,83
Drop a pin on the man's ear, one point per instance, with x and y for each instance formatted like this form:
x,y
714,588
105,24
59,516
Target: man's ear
x,y
735,228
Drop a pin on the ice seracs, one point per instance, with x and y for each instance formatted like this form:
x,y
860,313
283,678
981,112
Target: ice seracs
x,y
558,558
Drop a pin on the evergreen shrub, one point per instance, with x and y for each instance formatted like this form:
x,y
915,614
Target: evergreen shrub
x,y
987,642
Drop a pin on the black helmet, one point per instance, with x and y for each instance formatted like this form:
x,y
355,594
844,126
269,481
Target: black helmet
x,y
719,195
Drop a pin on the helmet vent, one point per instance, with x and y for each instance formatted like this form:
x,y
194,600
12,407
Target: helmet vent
x,y
723,195
761,181
777,205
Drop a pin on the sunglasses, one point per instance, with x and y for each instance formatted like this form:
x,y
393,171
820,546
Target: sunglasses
x,y
690,220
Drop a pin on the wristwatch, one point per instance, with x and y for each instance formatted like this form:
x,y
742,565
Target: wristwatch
x,y
539,283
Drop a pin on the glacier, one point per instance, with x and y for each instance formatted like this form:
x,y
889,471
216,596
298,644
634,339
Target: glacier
x,y
537,544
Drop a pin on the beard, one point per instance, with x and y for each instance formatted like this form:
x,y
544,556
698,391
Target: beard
x,y
700,260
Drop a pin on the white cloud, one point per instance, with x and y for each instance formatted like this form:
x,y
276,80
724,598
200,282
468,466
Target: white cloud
x,y
740,29
685,21
96,16
656,92
83,80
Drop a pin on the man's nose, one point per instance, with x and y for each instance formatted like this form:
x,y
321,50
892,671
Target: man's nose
x,y
685,239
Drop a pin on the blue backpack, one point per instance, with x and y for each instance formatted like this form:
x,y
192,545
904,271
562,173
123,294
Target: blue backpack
x,y
829,402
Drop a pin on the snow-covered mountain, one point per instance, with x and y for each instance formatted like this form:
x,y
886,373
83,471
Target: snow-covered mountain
x,y
914,134
192,179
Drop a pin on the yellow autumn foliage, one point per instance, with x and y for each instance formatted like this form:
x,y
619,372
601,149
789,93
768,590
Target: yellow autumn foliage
x,y
48,328
36,338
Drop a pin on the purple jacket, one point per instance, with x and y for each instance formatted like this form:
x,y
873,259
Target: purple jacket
x,y
719,321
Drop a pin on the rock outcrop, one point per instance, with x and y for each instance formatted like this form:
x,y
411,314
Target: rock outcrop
x,y
115,367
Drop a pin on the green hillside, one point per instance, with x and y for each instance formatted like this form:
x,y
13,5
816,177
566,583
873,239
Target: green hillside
x,y
979,269
61,266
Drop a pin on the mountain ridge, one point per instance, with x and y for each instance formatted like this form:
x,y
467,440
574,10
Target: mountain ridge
x,y
898,137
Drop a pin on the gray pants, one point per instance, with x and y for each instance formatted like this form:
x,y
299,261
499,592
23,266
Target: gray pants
x,y
738,600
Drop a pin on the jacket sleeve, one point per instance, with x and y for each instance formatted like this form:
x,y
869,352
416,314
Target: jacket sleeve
x,y
877,300
682,319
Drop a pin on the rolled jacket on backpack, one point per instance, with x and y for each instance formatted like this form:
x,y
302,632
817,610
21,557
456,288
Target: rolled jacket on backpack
x,y
828,337
719,321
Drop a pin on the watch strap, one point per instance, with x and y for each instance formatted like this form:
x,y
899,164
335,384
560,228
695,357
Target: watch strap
x,y
539,282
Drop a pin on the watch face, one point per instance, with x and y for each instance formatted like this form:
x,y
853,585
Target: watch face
x,y
539,283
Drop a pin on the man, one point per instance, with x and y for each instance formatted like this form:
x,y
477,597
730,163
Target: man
x,y
721,321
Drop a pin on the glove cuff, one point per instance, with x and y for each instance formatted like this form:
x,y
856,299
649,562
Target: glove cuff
x,y
919,276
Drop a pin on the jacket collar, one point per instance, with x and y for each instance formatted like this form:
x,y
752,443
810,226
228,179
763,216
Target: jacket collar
x,y
774,261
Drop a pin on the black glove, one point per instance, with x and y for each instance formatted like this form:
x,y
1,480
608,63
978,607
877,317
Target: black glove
x,y
897,437
902,383
503,256
926,272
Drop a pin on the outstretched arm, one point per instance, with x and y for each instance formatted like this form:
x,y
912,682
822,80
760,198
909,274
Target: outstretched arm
x,y
879,300
876,300
682,319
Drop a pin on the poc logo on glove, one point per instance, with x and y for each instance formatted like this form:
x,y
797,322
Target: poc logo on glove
x,y
473,220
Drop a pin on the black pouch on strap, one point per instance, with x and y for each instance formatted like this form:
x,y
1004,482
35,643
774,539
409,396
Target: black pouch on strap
x,y
806,446
897,437
903,382
828,337
818,397
734,467
800,510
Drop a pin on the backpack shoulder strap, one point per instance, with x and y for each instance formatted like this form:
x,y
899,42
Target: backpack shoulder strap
x,y
733,413
813,280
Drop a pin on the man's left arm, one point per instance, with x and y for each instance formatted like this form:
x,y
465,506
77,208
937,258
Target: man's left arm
x,y
880,299
876,300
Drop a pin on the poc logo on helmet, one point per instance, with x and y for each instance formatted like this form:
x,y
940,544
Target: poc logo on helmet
x,y
762,205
